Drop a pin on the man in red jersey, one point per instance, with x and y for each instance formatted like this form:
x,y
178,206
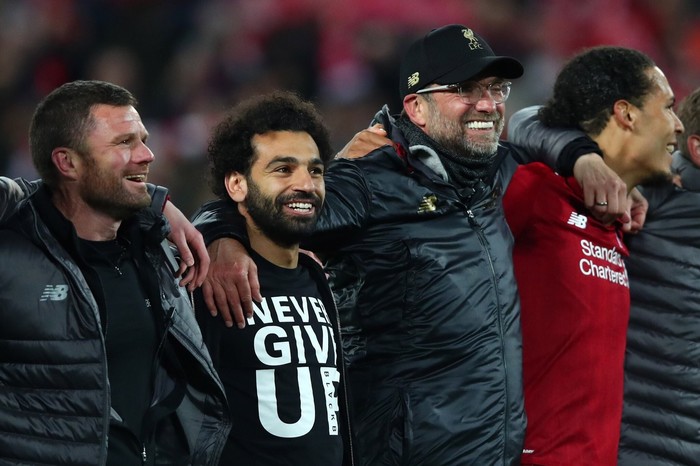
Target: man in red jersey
x,y
569,265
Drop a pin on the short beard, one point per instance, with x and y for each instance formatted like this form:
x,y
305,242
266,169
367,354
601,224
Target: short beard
x,y
103,191
657,179
268,215
451,136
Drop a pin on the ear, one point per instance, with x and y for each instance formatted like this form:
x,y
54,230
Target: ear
x,y
415,108
624,113
693,142
236,186
67,162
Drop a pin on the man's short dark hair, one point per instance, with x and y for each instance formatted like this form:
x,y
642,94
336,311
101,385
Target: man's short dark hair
x,y
689,114
591,82
231,147
63,119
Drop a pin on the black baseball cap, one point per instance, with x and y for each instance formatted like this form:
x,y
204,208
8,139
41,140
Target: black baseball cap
x,y
452,54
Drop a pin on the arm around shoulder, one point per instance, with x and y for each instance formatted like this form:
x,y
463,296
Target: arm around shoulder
x,y
559,148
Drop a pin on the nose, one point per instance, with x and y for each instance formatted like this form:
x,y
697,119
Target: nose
x,y
303,181
143,154
678,124
485,103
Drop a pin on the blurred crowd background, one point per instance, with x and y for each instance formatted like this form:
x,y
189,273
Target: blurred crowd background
x,y
188,60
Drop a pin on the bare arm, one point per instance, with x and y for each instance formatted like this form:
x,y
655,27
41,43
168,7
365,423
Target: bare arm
x,y
232,283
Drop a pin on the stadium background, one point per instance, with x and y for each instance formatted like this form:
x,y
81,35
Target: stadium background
x,y
187,60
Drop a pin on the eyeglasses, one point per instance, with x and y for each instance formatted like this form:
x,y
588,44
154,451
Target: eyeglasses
x,y
471,91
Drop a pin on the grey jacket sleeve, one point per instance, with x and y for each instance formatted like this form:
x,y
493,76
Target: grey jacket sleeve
x,y
558,147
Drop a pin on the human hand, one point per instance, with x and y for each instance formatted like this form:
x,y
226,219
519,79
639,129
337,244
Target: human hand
x,y
194,262
364,142
638,207
232,282
604,193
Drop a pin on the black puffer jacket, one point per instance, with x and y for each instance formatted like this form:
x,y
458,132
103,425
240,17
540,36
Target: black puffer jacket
x,y
54,391
661,414
424,284
423,279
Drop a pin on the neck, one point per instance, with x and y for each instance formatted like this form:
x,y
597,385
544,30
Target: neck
x,y
616,150
89,224
285,257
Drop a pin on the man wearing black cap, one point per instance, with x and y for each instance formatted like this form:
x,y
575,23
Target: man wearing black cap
x,y
419,257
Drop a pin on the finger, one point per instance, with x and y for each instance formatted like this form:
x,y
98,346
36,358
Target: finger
x,y
237,313
202,267
254,283
200,254
186,258
186,274
208,295
626,227
222,303
377,128
589,197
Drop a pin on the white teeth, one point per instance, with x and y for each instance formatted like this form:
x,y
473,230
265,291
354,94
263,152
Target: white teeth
x,y
136,177
300,205
480,125
670,148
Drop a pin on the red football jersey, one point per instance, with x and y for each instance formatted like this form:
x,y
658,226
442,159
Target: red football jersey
x,y
575,309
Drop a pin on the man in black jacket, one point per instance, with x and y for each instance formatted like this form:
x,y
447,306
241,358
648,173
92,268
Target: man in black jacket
x,y
102,360
283,370
419,256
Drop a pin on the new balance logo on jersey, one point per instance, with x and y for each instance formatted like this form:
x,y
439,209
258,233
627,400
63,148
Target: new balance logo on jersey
x,y
54,293
578,220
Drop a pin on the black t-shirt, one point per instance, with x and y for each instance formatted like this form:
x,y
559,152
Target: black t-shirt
x,y
131,344
281,376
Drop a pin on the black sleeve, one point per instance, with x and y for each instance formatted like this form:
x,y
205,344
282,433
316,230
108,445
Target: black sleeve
x,y
220,219
559,148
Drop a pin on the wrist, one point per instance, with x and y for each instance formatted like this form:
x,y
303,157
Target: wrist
x,y
575,150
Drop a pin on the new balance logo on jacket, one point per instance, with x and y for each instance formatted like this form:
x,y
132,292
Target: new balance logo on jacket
x,y
54,293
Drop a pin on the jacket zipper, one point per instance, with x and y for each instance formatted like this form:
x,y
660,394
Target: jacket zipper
x,y
78,283
484,243
343,373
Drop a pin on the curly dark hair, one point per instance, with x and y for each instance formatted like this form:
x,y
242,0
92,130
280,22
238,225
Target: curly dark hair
x,y
230,147
689,114
591,82
63,119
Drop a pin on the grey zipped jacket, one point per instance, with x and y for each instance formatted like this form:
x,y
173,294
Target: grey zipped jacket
x,y
661,413
54,390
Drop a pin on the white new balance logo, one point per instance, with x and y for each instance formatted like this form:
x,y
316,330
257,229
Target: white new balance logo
x,y
578,220
54,293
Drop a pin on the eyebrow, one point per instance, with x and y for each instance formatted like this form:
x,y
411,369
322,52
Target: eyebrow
x,y
293,160
131,135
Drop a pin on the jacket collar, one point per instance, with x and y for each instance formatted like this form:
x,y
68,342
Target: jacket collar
x,y
689,173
